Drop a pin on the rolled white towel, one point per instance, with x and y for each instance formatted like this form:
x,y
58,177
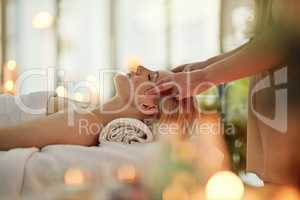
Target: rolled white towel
x,y
126,131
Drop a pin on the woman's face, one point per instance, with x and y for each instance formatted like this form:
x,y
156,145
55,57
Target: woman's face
x,y
134,85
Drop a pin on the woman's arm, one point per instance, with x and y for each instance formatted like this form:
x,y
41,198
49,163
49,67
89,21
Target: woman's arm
x,y
53,129
56,128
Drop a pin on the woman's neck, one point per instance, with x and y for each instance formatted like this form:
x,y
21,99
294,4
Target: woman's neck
x,y
114,104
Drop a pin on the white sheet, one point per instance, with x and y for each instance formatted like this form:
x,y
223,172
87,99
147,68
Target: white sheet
x,y
29,171
12,168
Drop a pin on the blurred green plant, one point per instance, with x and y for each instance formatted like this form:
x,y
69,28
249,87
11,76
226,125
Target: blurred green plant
x,y
234,107
209,100
236,112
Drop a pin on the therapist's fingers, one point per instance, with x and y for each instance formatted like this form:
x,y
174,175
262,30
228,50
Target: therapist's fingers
x,y
183,68
161,88
165,80
148,99
188,68
179,69
148,104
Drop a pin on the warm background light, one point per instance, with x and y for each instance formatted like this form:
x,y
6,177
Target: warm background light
x,y
175,192
11,65
75,177
287,194
132,63
78,97
224,186
127,173
61,91
9,85
42,20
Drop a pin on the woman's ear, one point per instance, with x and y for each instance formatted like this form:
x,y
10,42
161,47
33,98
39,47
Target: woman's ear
x,y
147,104
148,110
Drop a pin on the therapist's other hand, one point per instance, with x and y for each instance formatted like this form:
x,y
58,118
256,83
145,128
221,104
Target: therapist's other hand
x,y
182,85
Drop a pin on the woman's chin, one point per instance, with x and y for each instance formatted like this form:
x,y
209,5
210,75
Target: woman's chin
x,y
119,77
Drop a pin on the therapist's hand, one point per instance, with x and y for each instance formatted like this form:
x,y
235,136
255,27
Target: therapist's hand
x,y
182,85
190,67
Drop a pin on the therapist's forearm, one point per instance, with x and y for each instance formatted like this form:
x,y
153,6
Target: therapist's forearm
x,y
252,59
213,60
224,55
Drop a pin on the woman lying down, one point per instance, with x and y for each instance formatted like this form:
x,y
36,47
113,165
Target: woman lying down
x,y
129,109
128,102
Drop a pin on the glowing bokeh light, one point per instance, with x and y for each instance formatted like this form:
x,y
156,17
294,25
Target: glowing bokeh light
x,y
78,97
74,177
61,91
224,186
42,20
11,65
132,63
9,85
287,193
127,173
175,192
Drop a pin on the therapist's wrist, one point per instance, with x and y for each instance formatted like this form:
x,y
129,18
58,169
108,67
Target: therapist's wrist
x,y
199,76
199,82
208,76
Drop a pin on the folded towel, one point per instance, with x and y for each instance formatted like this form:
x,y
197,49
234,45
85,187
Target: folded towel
x,y
126,131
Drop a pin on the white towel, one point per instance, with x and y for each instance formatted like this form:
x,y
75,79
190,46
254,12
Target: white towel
x,y
11,114
126,131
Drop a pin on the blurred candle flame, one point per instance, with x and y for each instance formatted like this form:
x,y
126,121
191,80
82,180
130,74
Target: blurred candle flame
x,y
127,173
75,177
9,85
224,186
